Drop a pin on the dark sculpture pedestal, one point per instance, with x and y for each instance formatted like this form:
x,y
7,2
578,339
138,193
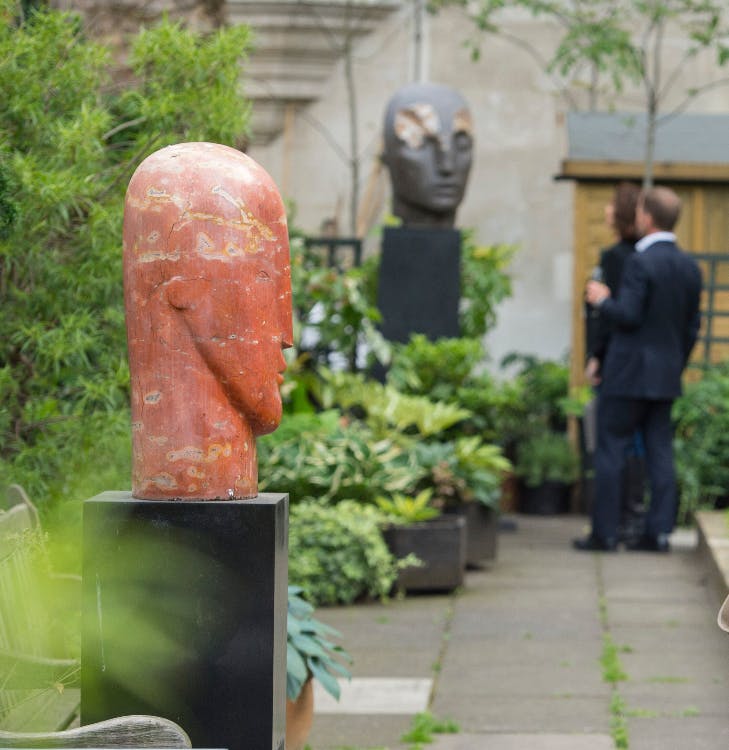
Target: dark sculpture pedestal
x,y
184,615
419,287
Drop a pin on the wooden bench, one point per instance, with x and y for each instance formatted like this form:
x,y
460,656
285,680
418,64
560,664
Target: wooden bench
x,y
39,687
125,731
723,617
38,681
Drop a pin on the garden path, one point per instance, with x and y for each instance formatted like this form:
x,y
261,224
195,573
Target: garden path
x,y
519,657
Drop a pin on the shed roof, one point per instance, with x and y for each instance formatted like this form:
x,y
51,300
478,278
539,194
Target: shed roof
x,y
603,136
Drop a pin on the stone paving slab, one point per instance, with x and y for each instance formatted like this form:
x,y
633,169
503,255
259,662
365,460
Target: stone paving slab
x,y
375,695
659,613
699,733
507,714
335,731
512,622
692,641
380,637
514,656
657,589
649,700
546,677
523,742
684,665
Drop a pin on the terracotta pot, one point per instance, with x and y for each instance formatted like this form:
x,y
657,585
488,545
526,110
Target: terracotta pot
x,y
509,500
299,717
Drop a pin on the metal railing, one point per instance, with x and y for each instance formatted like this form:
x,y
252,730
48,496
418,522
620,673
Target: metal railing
x,y
709,310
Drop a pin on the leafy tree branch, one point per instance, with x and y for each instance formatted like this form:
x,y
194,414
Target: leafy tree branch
x,y
623,41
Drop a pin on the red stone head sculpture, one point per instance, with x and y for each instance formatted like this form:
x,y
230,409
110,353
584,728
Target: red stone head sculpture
x,y
207,290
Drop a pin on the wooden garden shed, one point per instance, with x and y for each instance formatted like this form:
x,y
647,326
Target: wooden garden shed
x,y
692,157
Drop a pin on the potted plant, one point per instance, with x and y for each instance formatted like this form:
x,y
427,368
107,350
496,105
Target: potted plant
x,y
547,466
482,467
337,553
310,654
416,529
467,476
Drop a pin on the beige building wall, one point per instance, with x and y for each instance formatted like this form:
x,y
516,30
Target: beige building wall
x,y
511,197
519,116
519,113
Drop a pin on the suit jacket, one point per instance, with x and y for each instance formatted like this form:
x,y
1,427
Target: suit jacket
x,y
656,322
598,327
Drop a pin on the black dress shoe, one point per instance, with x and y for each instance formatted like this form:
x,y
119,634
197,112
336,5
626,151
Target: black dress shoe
x,y
594,543
650,543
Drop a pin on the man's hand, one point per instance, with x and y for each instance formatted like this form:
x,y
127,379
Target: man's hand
x,y
596,293
592,371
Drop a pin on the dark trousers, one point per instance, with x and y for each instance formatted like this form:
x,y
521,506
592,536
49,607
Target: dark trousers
x,y
617,421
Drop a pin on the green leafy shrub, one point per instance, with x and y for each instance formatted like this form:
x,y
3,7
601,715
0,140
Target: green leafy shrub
x,y
482,465
701,442
69,145
337,554
418,366
498,411
385,408
459,469
331,462
484,284
546,457
462,470
336,308
544,386
405,509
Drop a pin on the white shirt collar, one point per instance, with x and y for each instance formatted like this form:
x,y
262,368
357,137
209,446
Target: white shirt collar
x,y
650,239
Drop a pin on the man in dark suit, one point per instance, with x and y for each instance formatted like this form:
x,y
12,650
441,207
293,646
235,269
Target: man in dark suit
x,y
656,321
620,218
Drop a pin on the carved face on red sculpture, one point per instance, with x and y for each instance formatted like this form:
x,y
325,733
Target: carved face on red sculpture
x,y
208,299
239,326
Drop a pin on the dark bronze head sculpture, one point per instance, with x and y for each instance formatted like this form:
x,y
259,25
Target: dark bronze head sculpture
x,y
428,139
208,302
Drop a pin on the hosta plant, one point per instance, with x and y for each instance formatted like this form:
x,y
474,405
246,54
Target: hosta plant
x,y
403,509
310,652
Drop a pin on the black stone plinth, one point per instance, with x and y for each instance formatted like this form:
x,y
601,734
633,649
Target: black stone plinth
x,y
419,285
184,615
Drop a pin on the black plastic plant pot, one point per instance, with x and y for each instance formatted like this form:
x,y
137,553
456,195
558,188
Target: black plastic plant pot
x,y
546,499
482,532
440,544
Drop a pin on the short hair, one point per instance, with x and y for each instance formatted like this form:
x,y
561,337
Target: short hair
x,y
663,205
625,201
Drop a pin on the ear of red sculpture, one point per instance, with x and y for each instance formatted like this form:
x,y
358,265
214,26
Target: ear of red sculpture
x,y
208,302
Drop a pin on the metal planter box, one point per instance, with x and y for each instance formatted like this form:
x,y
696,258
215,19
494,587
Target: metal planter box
x,y
482,532
440,544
